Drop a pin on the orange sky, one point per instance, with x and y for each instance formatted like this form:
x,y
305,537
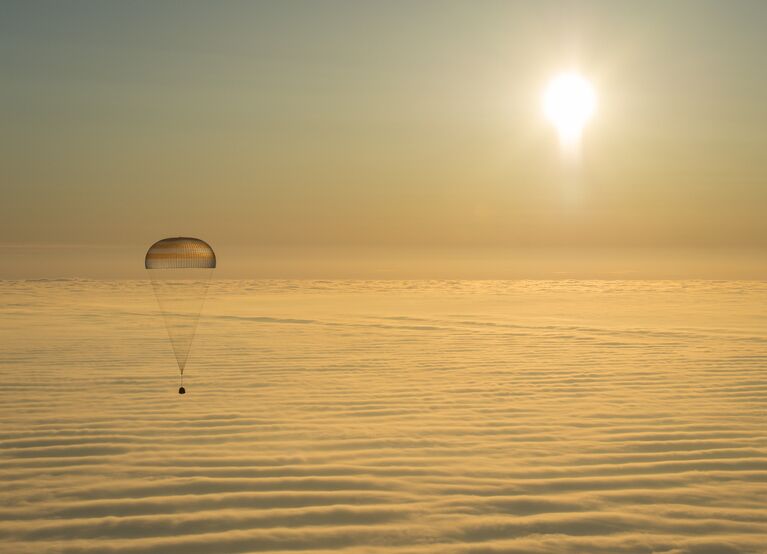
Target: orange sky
x,y
343,138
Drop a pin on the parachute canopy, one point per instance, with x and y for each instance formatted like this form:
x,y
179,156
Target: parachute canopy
x,y
180,252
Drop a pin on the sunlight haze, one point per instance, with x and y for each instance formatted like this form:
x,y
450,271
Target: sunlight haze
x,y
303,131
383,277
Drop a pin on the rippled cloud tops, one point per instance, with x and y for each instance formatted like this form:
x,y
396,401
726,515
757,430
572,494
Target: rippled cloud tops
x,y
386,417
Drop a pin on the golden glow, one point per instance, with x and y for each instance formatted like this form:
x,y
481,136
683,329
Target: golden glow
x,y
568,103
429,156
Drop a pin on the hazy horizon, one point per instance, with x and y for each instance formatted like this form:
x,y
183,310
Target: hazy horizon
x,y
126,262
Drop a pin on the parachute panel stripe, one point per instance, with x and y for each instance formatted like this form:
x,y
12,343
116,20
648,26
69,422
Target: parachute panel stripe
x,y
172,253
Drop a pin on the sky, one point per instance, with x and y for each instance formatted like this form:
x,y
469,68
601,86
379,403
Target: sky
x,y
396,139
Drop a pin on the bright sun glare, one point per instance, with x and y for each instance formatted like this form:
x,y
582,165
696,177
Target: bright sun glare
x,y
569,102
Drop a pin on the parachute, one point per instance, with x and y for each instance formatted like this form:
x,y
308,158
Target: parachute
x,y
180,269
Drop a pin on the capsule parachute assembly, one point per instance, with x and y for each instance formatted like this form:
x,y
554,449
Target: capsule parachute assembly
x,y
180,269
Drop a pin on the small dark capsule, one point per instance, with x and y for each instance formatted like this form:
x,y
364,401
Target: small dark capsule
x,y
181,390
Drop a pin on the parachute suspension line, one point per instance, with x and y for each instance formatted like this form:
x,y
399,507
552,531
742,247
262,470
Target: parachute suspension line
x,y
180,269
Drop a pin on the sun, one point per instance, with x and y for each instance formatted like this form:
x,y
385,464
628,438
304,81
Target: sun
x,y
569,101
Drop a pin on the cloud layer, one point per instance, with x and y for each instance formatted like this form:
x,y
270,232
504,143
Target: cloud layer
x,y
376,417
